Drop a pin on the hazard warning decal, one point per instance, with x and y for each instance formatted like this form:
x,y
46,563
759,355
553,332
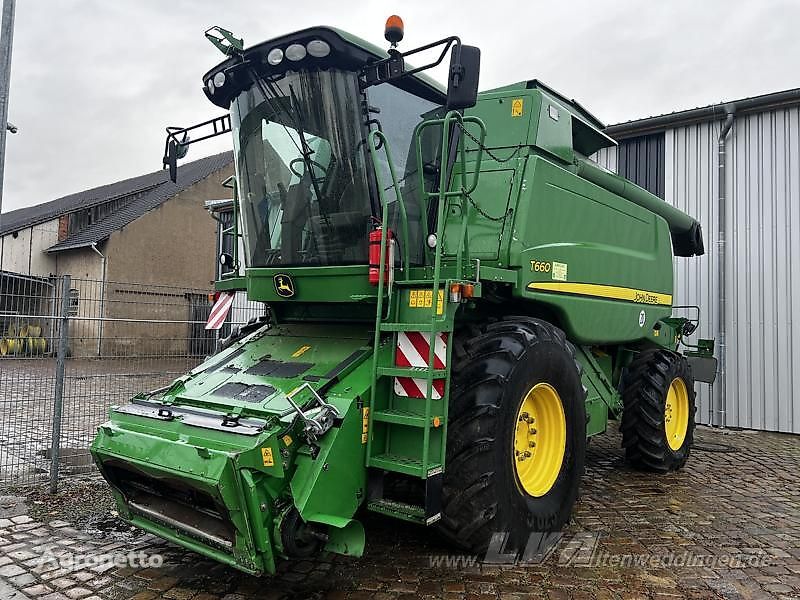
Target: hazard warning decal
x,y
220,311
412,350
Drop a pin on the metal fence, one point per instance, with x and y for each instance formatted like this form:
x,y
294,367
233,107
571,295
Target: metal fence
x,y
70,348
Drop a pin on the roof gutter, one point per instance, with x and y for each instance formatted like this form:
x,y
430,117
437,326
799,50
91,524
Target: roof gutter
x,y
59,248
706,113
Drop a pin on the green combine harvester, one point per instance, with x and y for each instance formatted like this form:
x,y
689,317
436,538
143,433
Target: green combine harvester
x,y
456,297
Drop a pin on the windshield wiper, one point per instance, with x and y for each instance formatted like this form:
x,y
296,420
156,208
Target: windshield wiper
x,y
293,112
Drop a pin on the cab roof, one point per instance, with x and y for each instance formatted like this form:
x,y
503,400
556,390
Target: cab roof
x,y
347,51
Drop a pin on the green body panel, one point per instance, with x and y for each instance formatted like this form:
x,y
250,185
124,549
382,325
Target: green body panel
x,y
602,399
484,238
169,453
230,468
313,284
523,221
601,240
318,481
599,237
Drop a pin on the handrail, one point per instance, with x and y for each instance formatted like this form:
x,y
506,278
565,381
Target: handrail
x,y
233,230
446,123
384,202
373,151
451,119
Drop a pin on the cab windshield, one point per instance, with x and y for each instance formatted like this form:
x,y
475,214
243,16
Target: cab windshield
x,y
301,170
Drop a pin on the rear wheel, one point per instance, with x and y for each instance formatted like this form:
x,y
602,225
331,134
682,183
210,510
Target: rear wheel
x,y
658,415
516,434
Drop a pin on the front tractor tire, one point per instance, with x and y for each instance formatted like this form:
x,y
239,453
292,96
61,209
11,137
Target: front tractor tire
x,y
658,411
516,439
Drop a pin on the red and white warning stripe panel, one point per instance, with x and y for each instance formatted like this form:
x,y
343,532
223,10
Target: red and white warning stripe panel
x,y
412,350
220,310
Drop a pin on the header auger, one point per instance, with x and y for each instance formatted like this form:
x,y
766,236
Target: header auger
x,y
456,298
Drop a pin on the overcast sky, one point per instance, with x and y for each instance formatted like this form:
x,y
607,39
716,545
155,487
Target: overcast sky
x,y
94,83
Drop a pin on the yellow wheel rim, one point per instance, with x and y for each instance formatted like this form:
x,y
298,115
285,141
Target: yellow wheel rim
x,y
676,413
540,440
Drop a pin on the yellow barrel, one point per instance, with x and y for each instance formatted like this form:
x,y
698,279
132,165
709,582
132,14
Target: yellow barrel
x,y
14,345
35,346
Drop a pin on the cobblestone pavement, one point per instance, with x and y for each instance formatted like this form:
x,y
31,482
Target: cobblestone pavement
x,y
728,526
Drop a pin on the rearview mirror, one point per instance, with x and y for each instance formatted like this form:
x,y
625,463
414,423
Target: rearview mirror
x,y
175,151
226,260
462,84
176,148
171,160
183,147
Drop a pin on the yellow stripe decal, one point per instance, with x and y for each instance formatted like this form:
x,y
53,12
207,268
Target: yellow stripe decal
x,y
611,292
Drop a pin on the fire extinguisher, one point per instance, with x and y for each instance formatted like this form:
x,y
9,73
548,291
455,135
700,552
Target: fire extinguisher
x,y
375,238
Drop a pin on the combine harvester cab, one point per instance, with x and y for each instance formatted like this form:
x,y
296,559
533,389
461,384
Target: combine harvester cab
x,y
456,299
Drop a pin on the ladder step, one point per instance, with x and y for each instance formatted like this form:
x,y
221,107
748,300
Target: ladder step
x,y
402,417
423,283
403,464
435,327
424,327
402,510
418,372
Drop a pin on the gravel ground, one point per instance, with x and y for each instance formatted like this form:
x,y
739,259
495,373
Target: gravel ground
x,y
82,501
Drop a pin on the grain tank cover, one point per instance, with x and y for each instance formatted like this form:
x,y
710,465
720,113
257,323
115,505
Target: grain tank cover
x,y
587,134
556,125
565,130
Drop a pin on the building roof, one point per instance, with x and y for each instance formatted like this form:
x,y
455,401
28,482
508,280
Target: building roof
x,y
223,204
147,192
711,112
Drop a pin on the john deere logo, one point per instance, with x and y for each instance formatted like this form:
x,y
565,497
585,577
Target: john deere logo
x,y
284,286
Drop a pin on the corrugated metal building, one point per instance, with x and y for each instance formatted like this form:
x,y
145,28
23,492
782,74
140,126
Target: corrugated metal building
x,y
678,158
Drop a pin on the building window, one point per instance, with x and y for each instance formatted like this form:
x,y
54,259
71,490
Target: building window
x,y
81,219
74,300
225,241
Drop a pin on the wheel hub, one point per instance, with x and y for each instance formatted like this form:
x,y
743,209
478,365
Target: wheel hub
x,y
676,413
540,439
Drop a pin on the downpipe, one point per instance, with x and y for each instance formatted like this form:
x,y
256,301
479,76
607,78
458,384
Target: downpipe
x,y
730,112
102,301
